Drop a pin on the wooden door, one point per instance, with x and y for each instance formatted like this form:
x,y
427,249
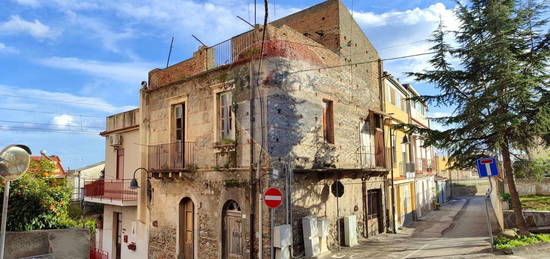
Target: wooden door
x,y
233,235
179,155
186,233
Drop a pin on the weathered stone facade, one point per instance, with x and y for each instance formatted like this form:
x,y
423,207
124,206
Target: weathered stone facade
x,y
277,115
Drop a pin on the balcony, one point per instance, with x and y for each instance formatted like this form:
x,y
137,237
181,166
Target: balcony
x,y
98,254
366,157
172,157
407,169
111,191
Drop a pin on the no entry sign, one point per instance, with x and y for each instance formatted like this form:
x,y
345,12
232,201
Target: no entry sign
x,y
273,197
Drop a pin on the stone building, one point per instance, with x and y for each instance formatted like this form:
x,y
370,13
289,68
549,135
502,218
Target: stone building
x,y
300,110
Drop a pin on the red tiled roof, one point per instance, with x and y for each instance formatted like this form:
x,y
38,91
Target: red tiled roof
x,y
60,171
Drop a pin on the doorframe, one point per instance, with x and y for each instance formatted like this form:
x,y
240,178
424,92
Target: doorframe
x,y
196,207
117,224
224,225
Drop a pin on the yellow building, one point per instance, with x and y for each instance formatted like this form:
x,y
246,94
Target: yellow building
x,y
396,106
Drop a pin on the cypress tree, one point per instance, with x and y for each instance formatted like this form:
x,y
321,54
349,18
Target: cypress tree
x,y
497,82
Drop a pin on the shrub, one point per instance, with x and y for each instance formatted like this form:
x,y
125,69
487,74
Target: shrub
x,y
38,200
507,243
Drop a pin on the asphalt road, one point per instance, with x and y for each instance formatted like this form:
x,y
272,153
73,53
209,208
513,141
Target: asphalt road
x,y
467,236
458,230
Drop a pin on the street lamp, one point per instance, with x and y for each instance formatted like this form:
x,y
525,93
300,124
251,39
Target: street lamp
x,y
134,183
14,161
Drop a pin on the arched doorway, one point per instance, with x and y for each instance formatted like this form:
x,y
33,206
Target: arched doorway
x,y
232,229
186,233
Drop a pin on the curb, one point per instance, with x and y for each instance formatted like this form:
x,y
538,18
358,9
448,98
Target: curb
x,y
455,217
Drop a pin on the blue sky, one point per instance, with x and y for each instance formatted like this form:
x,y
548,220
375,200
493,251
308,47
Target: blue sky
x,y
66,64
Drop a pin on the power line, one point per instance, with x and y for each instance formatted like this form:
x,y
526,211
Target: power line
x,y
362,62
57,113
45,130
404,44
51,124
53,100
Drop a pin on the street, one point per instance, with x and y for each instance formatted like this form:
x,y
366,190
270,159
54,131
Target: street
x,y
457,230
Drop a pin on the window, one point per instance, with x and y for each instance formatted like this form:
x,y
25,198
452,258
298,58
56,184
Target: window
x,y
373,203
388,94
225,115
180,122
179,155
119,163
328,121
392,96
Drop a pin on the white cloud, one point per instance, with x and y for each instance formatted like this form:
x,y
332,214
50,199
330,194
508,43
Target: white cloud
x,y
212,21
31,3
35,28
31,98
99,30
127,72
7,49
409,31
63,121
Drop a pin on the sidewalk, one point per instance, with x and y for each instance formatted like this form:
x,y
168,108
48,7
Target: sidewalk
x,y
438,221
409,240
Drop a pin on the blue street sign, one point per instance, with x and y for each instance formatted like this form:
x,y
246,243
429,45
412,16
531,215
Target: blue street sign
x,y
487,167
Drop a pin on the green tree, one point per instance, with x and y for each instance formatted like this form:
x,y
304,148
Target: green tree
x,y
38,200
499,88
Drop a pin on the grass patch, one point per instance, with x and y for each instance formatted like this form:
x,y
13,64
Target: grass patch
x,y
507,243
535,202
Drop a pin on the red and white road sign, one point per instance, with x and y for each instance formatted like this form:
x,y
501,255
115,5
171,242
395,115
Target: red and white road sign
x,y
273,197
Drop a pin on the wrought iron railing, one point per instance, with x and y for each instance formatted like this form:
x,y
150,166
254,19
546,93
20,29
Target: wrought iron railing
x,y
175,156
110,189
229,51
367,157
98,254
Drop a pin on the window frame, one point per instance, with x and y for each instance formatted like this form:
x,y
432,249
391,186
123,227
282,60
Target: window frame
x,y
220,120
119,163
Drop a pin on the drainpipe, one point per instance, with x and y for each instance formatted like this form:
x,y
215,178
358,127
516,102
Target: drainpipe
x,y
392,184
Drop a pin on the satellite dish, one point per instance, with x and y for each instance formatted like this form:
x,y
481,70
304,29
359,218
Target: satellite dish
x,y
14,161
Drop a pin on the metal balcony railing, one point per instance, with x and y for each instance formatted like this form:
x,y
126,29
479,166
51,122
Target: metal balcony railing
x,y
367,157
231,50
98,254
178,156
110,189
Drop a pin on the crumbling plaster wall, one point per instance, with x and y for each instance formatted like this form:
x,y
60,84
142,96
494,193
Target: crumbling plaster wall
x,y
312,196
293,104
209,192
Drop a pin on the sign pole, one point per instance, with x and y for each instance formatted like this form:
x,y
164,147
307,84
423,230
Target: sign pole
x,y
4,218
487,197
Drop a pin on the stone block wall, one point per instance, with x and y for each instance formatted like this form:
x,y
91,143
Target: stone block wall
x,y
62,243
209,191
532,186
311,196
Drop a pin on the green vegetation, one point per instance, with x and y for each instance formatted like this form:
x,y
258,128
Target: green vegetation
x,y
536,169
38,200
507,243
495,78
535,202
